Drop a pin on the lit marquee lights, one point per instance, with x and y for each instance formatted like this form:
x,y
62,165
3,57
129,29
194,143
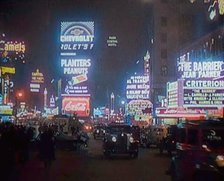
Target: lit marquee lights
x,y
75,66
216,7
76,36
209,69
76,42
11,50
221,7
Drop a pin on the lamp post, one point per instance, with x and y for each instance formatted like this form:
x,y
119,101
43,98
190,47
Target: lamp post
x,y
123,103
112,103
18,96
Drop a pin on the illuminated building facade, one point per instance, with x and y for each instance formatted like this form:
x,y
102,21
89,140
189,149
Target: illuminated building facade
x,y
175,24
199,90
76,43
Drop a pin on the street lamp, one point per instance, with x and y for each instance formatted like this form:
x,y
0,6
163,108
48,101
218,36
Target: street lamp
x,y
18,95
123,107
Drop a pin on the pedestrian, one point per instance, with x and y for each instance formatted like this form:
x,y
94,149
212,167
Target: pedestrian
x,y
47,147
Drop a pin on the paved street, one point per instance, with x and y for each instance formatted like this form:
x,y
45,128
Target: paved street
x,y
92,166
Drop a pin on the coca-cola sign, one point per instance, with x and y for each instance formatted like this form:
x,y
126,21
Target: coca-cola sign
x,y
78,105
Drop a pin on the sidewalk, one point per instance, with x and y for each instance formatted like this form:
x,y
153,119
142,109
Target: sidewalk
x,y
66,165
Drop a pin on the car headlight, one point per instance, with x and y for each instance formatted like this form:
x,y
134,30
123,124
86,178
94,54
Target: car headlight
x,y
131,139
220,160
97,131
114,139
104,131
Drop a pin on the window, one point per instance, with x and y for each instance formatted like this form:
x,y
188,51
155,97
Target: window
x,y
164,70
163,21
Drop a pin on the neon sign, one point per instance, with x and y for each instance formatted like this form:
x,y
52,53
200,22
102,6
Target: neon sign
x,y
75,66
221,7
78,105
112,41
137,87
77,36
76,39
37,77
209,69
172,94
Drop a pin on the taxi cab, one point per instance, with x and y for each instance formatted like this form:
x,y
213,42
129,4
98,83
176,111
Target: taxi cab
x,y
199,151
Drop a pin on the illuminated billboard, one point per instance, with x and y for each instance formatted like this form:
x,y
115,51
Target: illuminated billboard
x,y
76,36
11,50
140,109
137,87
76,40
203,82
8,70
37,77
36,80
172,94
78,105
112,41
195,70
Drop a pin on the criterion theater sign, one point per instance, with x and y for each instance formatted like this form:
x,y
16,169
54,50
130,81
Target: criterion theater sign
x,y
203,83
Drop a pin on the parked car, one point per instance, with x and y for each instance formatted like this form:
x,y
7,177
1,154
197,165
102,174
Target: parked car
x,y
152,135
120,139
200,151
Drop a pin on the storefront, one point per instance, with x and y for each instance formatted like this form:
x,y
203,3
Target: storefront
x,y
171,116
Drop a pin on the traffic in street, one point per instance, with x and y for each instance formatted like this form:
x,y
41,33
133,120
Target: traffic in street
x,y
90,165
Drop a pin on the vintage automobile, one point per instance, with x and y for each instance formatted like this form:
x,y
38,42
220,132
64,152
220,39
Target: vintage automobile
x,y
99,131
151,136
120,139
200,151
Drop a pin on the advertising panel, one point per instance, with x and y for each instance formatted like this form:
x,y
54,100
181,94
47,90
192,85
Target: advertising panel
x,y
76,36
203,83
180,113
36,80
76,41
78,105
37,77
8,70
172,94
138,87
141,109
11,50
5,110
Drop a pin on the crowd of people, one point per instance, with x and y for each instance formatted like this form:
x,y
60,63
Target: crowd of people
x,y
20,142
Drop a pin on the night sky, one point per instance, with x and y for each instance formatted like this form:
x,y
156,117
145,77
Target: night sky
x,y
38,24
